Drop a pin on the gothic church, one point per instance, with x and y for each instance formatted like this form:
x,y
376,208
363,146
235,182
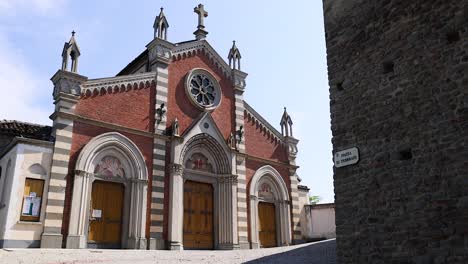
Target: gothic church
x,y
165,155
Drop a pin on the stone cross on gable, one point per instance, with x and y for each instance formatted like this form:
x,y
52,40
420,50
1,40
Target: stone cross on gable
x,y
200,10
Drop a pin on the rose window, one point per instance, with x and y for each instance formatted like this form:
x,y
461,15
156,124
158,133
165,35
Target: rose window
x,y
203,89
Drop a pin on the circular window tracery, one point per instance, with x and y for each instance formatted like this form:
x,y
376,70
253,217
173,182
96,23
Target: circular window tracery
x,y
203,89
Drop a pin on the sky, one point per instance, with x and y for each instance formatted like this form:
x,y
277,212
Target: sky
x,y
282,46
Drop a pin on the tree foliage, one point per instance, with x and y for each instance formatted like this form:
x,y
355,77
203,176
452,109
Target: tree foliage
x,y
314,199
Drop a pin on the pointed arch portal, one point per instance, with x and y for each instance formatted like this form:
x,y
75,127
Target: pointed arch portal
x,y
201,174
115,160
269,193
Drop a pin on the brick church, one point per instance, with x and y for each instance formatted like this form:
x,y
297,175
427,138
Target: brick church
x,y
165,155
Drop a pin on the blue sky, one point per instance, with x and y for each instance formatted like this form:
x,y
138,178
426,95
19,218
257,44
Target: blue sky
x,y
282,45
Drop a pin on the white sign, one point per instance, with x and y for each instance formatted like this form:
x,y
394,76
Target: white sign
x,y
346,157
31,206
96,213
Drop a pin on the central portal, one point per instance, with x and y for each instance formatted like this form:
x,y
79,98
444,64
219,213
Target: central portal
x,y
105,224
198,215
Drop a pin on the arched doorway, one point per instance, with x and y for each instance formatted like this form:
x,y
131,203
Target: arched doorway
x,y
270,223
203,189
109,195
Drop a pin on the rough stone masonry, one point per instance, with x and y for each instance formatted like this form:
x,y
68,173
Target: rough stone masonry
x,y
398,78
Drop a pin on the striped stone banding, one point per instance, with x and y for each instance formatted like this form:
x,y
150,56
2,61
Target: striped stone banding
x,y
57,184
296,210
159,157
241,174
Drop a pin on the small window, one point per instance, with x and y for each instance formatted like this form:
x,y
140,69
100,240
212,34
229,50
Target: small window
x,y
32,200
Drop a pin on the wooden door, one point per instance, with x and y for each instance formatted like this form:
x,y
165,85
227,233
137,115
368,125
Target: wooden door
x,y
267,224
198,215
105,224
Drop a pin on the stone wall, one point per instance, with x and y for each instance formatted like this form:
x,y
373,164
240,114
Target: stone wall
x,y
398,77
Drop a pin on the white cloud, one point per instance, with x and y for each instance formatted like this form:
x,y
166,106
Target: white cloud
x,y
41,7
21,88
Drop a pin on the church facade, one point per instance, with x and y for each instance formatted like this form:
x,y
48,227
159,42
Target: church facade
x,y
165,155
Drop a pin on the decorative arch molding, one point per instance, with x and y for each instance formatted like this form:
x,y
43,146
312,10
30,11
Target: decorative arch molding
x,y
114,144
209,147
269,176
133,176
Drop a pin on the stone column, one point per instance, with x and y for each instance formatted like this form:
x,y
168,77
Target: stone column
x,y
285,223
254,243
227,214
77,230
160,53
296,210
67,88
242,228
137,219
176,207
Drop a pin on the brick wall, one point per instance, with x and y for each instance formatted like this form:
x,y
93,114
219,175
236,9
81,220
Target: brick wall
x,y
258,143
179,104
398,77
133,108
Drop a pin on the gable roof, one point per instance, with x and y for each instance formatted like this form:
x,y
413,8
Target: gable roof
x,y
181,50
16,128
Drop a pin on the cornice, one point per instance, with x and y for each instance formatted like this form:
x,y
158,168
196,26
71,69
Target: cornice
x,y
188,49
111,126
118,84
251,113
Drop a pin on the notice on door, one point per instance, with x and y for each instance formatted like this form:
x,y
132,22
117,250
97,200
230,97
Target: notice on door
x,y
346,157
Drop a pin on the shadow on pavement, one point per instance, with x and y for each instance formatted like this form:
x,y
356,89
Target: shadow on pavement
x,y
317,253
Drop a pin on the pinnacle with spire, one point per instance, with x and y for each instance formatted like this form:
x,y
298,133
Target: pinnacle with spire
x,y
286,124
71,51
200,33
234,57
160,25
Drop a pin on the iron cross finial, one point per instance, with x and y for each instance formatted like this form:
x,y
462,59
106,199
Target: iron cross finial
x,y
200,10
73,33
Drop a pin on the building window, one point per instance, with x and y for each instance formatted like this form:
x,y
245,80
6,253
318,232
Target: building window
x,y
203,89
32,200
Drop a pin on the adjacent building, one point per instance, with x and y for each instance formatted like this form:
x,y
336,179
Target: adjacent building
x,y
398,78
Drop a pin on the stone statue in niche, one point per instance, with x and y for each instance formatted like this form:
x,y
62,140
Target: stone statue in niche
x,y
239,135
231,141
109,167
199,162
175,128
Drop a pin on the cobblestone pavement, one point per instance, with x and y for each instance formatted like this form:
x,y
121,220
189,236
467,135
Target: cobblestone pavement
x,y
322,252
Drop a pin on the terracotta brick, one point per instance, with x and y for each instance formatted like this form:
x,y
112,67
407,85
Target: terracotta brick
x,y
134,108
180,106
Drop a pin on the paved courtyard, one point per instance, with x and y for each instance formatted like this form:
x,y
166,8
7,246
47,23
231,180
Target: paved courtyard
x,y
315,253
